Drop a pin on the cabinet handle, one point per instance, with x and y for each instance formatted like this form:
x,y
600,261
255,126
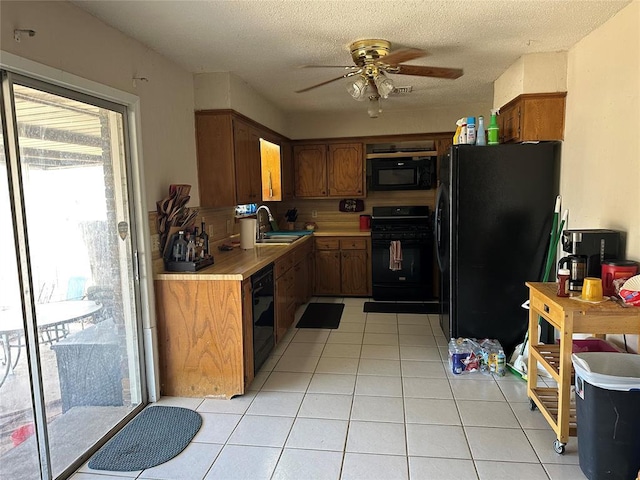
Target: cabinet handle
x,y
546,308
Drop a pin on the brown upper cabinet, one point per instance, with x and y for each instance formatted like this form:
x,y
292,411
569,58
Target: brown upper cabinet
x,y
329,170
533,117
228,151
246,144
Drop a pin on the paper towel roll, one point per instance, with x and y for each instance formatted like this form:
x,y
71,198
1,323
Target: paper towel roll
x,y
247,233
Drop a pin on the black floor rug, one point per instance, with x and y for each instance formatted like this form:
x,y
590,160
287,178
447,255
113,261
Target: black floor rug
x,y
390,307
321,315
153,437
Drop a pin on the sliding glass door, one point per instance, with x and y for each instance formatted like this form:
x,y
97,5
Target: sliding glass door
x,y
70,338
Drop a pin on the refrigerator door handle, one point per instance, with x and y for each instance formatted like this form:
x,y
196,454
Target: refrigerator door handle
x,y
438,227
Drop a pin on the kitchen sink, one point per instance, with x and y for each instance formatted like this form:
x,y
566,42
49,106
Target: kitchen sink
x,y
278,240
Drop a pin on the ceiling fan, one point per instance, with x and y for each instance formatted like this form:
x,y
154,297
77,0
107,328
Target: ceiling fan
x,y
373,61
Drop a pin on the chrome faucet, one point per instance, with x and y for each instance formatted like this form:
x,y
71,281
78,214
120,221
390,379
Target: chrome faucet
x,y
259,232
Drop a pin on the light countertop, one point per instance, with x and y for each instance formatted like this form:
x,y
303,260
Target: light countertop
x,y
240,264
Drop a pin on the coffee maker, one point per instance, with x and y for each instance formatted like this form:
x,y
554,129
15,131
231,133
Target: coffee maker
x,y
597,245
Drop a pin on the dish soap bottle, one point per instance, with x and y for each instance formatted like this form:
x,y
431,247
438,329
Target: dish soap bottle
x,y
493,128
481,138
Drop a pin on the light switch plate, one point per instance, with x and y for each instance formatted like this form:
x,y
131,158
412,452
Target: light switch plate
x,y
229,227
314,214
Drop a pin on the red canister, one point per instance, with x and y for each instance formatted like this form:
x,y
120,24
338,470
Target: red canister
x,y
613,269
365,222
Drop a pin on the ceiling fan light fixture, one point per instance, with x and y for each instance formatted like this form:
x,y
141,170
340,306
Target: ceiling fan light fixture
x,y
359,88
374,108
384,84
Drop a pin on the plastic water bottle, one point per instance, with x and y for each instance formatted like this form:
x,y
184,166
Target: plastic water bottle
x,y
501,364
481,138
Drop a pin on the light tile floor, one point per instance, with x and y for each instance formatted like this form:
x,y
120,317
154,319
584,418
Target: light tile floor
x,y
374,399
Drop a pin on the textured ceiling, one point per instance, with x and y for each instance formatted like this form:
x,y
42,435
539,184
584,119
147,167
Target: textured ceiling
x,y
265,42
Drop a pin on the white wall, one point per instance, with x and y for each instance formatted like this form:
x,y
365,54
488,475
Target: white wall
x,y
390,122
74,41
532,73
225,90
600,176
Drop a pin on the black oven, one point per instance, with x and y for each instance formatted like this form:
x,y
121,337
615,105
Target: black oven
x,y
402,173
411,227
263,315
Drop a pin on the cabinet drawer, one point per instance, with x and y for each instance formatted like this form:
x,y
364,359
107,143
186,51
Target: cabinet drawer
x,y
353,244
282,265
327,244
552,311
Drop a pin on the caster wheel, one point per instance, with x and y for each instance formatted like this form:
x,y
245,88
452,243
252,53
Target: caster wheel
x,y
532,405
558,447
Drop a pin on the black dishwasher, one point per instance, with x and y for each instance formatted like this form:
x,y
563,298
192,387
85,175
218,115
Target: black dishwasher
x,y
263,315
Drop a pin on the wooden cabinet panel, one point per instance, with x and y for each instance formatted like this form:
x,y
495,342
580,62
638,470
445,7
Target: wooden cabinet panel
x,y
288,191
345,170
216,170
247,327
353,243
354,270
310,170
533,117
327,243
329,170
246,141
510,124
342,266
281,306
200,338
327,270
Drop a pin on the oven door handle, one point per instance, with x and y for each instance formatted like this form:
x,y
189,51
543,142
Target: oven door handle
x,y
410,242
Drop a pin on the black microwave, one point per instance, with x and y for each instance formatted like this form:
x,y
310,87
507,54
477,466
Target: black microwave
x,y
403,173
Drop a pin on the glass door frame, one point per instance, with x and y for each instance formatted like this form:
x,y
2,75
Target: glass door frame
x,y
35,75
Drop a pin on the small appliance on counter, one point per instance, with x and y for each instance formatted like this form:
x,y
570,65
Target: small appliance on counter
x,y
597,245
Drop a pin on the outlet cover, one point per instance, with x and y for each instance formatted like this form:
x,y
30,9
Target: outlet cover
x,y
210,231
229,227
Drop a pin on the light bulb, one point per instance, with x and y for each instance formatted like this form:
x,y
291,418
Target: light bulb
x,y
384,84
374,107
359,88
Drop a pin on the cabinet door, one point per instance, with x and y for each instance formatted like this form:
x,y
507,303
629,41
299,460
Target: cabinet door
x,y
282,305
510,124
327,269
310,163
288,191
215,153
345,172
543,117
246,142
354,270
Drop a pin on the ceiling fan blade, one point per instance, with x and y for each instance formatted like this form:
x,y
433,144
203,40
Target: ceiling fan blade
x,y
346,67
402,55
350,74
422,71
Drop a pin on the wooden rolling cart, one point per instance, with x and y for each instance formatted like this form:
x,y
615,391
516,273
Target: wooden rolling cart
x,y
568,316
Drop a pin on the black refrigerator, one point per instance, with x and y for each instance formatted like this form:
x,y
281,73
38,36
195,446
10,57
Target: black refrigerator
x,y
493,217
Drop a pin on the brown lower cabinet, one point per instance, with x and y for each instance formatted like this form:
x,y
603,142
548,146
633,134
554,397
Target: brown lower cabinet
x,y
292,285
205,337
343,266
